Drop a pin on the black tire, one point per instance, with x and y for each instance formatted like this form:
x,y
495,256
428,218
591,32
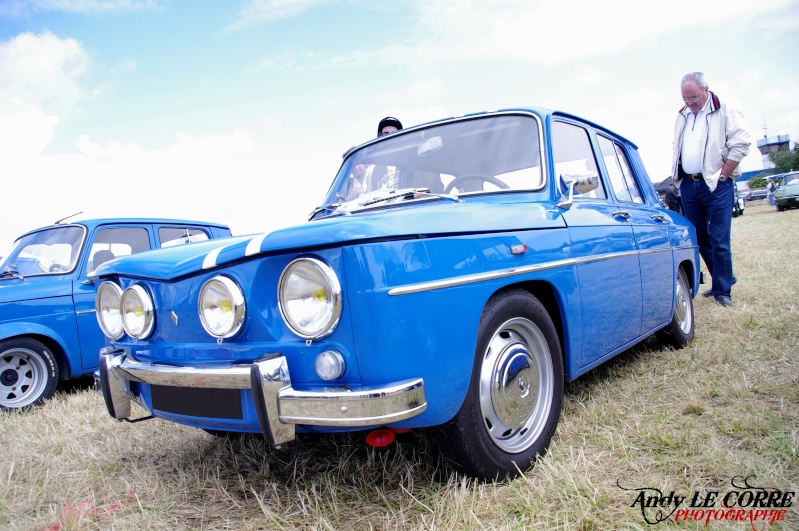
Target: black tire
x,y
513,404
680,331
780,208
28,374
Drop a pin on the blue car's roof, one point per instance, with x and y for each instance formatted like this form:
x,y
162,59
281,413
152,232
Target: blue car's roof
x,y
92,223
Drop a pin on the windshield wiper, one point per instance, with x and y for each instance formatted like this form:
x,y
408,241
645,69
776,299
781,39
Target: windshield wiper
x,y
407,193
323,208
11,272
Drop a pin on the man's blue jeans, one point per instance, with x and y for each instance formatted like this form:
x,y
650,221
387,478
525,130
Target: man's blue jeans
x,y
711,214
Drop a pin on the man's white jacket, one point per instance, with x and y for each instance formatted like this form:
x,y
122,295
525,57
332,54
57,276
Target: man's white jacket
x,y
728,137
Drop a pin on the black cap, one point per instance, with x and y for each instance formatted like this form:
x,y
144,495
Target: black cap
x,y
388,120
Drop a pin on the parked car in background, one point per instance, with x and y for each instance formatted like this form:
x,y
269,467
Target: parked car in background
x,y
738,202
48,330
787,195
757,195
455,275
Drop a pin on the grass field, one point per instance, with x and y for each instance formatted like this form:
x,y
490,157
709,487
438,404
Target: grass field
x,y
689,421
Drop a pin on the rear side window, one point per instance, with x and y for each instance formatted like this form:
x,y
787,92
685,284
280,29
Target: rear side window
x,y
619,171
171,236
116,242
573,155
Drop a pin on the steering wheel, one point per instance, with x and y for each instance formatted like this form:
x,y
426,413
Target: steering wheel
x,y
474,177
57,268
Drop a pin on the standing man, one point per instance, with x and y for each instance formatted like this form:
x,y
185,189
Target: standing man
x,y
710,138
770,189
673,198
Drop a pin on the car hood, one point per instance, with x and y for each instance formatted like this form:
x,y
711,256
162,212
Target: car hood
x,y
17,289
436,219
791,189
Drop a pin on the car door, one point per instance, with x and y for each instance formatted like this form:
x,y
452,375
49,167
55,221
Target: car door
x,y
603,245
650,229
105,243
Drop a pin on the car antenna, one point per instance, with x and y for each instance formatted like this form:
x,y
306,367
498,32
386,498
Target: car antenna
x,y
71,215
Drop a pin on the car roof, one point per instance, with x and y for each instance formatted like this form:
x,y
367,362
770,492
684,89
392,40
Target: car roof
x,y
95,222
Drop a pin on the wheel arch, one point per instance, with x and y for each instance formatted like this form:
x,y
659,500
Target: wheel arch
x,y
64,369
549,297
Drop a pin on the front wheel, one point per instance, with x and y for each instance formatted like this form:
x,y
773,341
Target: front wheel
x,y
513,404
680,331
28,374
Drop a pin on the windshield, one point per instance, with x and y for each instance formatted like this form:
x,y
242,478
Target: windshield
x,y
791,179
474,155
49,251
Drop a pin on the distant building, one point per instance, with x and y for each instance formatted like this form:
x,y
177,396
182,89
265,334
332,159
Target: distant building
x,y
772,144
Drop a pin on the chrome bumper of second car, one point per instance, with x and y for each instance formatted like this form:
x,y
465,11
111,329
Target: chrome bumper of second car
x,y
279,406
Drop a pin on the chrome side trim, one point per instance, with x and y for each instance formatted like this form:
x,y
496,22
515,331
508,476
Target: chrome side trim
x,y
513,271
479,277
601,257
82,312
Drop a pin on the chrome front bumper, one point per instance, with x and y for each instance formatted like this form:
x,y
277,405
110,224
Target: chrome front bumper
x,y
278,405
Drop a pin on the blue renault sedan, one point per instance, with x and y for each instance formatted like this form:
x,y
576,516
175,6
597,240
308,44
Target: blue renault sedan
x,y
48,330
455,274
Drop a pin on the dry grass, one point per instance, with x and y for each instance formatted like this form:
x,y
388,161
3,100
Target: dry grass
x,y
687,420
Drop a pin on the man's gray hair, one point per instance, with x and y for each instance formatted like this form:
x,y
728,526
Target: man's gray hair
x,y
695,77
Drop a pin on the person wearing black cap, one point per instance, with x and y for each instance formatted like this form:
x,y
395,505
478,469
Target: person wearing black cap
x,y
388,125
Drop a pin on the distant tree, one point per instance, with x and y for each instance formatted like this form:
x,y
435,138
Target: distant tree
x,y
785,161
758,181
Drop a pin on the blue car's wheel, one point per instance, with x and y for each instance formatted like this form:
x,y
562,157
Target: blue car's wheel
x,y
680,331
513,404
28,373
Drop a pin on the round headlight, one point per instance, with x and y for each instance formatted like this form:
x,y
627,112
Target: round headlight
x,y
310,298
330,365
138,316
221,306
109,315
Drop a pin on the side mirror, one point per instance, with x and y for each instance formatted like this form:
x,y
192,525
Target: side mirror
x,y
583,183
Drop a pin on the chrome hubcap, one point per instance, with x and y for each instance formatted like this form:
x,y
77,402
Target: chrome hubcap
x,y
516,385
682,305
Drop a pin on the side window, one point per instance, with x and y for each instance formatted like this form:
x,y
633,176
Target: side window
x,y
171,236
573,155
116,242
619,171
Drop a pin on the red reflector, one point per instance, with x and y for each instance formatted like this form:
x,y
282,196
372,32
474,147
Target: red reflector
x,y
380,438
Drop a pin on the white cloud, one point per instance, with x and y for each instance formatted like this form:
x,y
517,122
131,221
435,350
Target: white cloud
x,y
260,11
16,8
44,70
538,31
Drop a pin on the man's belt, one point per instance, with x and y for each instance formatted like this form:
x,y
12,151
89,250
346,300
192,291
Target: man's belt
x,y
694,176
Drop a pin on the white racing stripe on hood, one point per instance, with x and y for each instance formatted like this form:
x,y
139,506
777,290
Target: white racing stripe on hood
x,y
254,245
210,258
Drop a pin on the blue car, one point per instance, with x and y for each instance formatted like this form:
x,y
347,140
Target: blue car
x,y
455,275
48,330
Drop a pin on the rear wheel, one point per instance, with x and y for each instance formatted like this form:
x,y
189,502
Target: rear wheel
x,y
513,404
680,331
28,373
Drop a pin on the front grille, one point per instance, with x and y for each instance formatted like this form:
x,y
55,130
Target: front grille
x,y
191,401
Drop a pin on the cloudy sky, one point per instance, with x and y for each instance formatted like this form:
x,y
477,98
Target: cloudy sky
x,y
239,111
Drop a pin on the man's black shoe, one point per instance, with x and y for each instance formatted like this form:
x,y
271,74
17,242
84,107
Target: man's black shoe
x,y
723,300
707,293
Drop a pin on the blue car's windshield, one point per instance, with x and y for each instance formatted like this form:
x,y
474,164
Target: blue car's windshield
x,y
49,251
479,154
